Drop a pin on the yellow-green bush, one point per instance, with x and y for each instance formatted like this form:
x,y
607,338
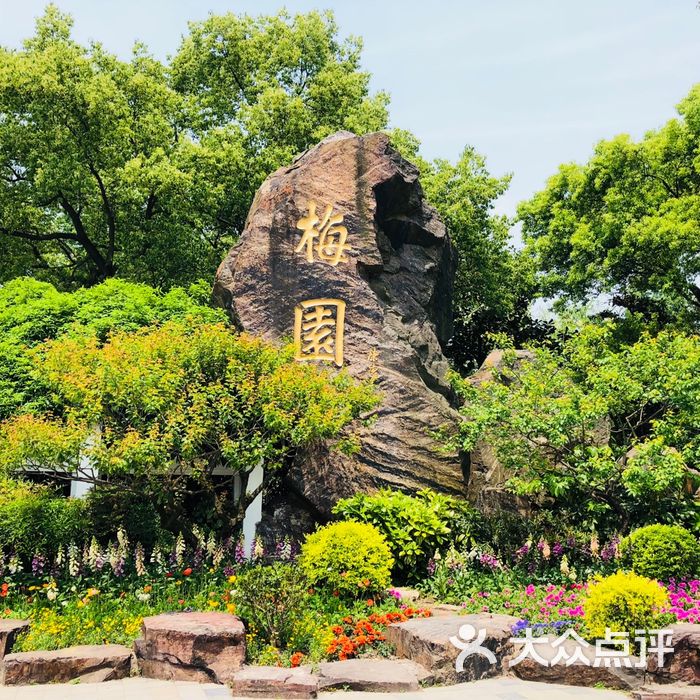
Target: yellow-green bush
x,y
663,552
624,602
348,557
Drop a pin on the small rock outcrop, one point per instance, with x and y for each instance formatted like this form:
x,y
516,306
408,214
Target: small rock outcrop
x,y
9,630
342,254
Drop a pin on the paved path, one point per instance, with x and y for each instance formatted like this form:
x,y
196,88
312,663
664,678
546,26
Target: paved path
x,y
146,689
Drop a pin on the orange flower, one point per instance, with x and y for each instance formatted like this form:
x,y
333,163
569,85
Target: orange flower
x,y
370,602
187,572
296,658
3,590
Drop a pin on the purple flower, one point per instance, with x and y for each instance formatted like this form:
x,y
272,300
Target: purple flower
x,y
38,563
431,567
239,552
557,549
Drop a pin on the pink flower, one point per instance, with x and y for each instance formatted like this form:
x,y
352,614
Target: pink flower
x,y
530,590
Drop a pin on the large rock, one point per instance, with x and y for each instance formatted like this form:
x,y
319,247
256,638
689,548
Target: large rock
x,y
9,630
88,664
683,664
388,260
199,646
426,641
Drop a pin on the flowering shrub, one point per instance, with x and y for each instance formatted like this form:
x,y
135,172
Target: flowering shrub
x,y
624,602
541,605
663,552
347,558
684,600
355,636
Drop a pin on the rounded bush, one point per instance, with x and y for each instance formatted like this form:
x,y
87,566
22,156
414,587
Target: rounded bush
x,y
624,602
348,557
663,552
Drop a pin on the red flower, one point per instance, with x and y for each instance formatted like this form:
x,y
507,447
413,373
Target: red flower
x,y
187,572
296,658
169,574
3,590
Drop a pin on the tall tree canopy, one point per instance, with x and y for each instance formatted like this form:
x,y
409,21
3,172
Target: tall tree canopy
x,y
626,223
147,171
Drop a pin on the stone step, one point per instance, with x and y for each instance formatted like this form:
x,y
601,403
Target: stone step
x,y
667,692
88,664
274,682
373,675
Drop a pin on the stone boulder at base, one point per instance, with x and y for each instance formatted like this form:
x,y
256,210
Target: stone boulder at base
x,y
426,641
581,671
198,646
9,629
683,663
87,664
343,240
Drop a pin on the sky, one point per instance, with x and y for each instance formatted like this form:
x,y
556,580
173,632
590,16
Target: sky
x,y
529,83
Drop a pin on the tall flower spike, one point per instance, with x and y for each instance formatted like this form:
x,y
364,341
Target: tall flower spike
x,y
140,560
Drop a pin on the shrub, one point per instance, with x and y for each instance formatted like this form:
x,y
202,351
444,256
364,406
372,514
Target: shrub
x,y
348,557
272,601
414,526
624,602
663,552
33,518
113,508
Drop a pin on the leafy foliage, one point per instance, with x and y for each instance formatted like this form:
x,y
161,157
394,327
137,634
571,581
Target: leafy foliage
x,y
32,312
147,171
564,425
626,224
348,557
624,602
272,601
415,527
163,408
35,519
663,552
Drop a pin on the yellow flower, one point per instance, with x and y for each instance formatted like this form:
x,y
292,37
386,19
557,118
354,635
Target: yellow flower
x,y
213,603
232,578
231,608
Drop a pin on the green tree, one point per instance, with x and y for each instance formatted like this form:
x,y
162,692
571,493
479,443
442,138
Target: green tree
x,y
495,283
32,312
110,167
604,434
163,410
627,223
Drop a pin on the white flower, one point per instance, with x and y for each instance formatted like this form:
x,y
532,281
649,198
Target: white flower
x,y
51,594
139,560
143,597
